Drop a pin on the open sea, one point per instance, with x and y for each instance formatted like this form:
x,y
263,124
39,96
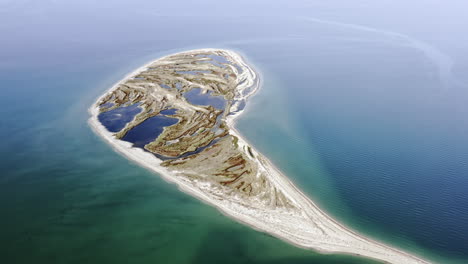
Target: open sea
x,y
364,105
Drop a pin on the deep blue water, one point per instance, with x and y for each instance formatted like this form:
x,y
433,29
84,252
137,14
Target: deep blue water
x,y
363,105
148,130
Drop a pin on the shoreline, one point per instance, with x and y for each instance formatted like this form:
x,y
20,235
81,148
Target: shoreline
x,y
365,247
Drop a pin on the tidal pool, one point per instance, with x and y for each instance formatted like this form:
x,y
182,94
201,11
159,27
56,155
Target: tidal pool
x,y
195,97
116,119
149,130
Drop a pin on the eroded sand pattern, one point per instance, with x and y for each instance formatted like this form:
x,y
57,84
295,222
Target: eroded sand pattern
x,y
204,154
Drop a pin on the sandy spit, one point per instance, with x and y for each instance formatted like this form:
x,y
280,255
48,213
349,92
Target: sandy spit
x,y
309,227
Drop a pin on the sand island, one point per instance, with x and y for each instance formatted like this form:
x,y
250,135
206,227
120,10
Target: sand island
x,y
176,116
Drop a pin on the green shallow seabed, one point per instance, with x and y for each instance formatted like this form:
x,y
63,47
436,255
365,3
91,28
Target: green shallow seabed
x,y
67,197
133,219
87,204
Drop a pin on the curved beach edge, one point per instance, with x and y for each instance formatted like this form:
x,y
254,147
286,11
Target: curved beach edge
x,y
363,246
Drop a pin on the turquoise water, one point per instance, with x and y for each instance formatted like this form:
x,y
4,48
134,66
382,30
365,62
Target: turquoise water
x,y
370,123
